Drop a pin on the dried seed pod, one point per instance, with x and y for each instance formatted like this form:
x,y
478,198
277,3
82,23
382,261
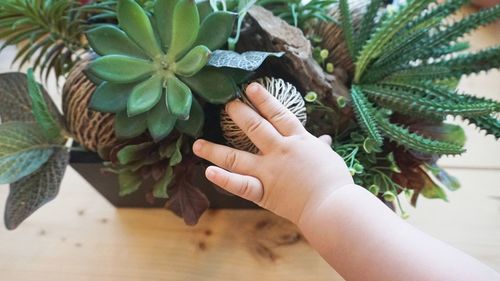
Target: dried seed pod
x,y
89,128
284,92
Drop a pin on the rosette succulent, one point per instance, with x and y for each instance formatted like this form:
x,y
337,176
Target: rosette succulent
x,y
151,63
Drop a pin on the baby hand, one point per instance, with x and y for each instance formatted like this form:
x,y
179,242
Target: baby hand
x,y
294,171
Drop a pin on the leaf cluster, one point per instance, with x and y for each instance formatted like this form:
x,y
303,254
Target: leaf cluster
x,y
49,33
402,60
32,153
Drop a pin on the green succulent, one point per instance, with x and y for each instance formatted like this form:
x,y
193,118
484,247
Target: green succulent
x,y
150,63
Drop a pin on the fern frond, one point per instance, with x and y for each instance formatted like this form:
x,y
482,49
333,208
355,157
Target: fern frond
x,y
49,33
425,102
347,26
385,33
470,63
450,49
364,112
487,123
442,38
367,25
415,141
437,14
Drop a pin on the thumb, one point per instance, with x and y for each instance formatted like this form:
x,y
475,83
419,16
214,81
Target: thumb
x,y
326,139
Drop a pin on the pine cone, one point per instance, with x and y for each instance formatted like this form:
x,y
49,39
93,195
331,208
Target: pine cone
x,y
89,128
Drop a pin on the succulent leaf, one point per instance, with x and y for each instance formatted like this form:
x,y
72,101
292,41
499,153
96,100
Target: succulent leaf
x,y
135,22
130,127
161,187
194,125
129,182
160,121
111,97
185,27
110,40
179,98
121,69
223,23
145,96
212,85
163,13
193,62
131,153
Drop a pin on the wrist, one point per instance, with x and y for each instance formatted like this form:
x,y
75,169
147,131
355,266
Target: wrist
x,y
316,207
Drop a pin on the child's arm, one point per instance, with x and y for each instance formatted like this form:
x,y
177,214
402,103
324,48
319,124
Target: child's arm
x,y
299,177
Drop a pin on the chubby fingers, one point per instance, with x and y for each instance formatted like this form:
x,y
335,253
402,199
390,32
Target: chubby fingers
x,y
280,117
228,158
258,129
246,187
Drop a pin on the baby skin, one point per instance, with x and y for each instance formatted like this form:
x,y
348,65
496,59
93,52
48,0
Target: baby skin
x,y
301,178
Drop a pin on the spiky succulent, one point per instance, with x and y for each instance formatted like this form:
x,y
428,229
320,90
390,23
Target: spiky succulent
x,y
49,32
150,64
404,60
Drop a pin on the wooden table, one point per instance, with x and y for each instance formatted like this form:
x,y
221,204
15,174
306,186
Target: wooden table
x,y
81,237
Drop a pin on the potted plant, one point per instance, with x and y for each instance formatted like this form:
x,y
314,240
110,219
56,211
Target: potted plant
x,y
144,79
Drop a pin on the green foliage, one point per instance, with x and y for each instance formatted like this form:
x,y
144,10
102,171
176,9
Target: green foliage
x,y
404,64
150,71
33,191
347,26
156,62
32,158
136,163
364,111
23,149
41,111
49,33
415,141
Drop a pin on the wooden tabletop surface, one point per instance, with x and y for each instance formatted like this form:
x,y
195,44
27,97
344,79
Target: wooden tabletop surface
x,y
81,237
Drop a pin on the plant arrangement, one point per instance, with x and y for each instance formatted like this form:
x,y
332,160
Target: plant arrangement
x,y
144,79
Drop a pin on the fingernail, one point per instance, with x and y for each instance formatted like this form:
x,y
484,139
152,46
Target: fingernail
x,y
210,173
197,146
253,88
231,103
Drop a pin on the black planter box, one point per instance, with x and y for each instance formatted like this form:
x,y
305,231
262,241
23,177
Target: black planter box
x,y
89,166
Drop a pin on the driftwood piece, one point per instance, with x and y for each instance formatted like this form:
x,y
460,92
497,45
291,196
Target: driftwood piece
x,y
265,32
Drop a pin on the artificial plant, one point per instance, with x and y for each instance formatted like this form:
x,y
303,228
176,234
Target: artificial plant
x,y
157,73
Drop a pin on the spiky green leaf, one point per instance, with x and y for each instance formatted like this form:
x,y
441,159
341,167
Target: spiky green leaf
x,y
364,112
